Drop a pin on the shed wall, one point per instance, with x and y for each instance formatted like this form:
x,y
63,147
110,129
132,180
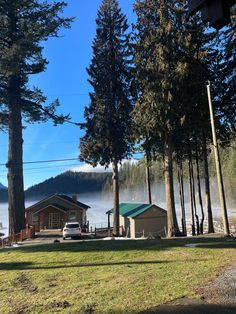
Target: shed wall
x,y
132,228
153,221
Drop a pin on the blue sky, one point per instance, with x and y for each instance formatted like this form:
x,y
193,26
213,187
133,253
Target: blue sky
x,y
65,78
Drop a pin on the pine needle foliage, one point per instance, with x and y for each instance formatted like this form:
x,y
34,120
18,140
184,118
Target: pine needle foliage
x,y
108,117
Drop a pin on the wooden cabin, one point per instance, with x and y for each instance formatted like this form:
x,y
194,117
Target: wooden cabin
x,y
54,211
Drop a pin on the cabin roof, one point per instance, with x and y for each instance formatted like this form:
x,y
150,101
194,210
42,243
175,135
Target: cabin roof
x,y
133,210
57,206
68,200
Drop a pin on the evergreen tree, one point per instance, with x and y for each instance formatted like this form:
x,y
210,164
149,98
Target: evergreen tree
x,y
24,25
107,136
161,69
195,131
225,78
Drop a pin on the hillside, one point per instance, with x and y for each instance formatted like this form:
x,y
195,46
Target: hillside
x,y
70,182
2,187
3,195
66,183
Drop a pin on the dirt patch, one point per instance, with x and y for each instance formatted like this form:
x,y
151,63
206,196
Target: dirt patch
x,y
21,310
52,282
90,308
23,282
218,297
222,289
58,305
192,309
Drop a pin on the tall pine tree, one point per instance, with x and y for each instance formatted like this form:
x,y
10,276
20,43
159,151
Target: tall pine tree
x,y
24,25
107,136
161,67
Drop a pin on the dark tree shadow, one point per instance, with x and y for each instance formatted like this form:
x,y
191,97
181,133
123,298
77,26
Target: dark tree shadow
x,y
60,264
35,266
127,245
192,309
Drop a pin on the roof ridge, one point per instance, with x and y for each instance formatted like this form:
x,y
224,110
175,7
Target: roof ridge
x,y
130,209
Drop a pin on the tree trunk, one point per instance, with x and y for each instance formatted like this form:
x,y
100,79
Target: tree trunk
x,y
148,182
199,192
191,195
116,211
172,224
194,200
207,189
16,198
181,196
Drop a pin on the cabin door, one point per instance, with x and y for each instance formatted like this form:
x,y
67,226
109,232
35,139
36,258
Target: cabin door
x,y
54,220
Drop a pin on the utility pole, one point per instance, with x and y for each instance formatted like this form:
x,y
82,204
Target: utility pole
x,y
218,165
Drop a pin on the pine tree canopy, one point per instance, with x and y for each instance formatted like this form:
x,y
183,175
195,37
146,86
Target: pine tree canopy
x,y
108,117
24,25
161,67
226,79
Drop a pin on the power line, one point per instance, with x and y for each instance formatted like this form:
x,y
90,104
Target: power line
x,y
49,167
56,160
62,167
45,161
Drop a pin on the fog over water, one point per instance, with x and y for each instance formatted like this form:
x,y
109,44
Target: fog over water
x,y
101,202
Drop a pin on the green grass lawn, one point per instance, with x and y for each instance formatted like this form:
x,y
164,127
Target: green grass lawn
x,y
107,276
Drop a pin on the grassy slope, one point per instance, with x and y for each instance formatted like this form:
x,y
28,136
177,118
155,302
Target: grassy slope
x,y
132,275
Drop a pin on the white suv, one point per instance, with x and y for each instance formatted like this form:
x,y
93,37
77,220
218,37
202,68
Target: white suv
x,y
71,230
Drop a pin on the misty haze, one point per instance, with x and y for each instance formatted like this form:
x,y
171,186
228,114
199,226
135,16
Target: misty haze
x,y
102,201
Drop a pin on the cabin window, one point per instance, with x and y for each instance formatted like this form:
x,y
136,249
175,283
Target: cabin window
x,y
35,218
72,215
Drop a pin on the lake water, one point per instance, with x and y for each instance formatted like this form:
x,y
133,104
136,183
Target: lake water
x,y
101,202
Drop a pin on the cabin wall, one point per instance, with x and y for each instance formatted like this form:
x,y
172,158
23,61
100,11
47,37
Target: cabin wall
x,y
122,221
152,222
52,218
153,226
75,215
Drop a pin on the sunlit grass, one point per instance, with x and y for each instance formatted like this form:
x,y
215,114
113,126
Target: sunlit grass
x,y
108,276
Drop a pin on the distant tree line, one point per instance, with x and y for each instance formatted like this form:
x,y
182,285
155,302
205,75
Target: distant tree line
x,y
134,174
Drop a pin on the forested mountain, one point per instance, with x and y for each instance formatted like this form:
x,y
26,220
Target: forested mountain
x,y
67,183
70,182
2,187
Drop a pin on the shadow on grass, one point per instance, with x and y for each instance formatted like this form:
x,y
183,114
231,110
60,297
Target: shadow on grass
x,y
35,266
192,309
127,245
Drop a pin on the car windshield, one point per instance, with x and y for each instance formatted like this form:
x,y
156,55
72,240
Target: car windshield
x,y
71,226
